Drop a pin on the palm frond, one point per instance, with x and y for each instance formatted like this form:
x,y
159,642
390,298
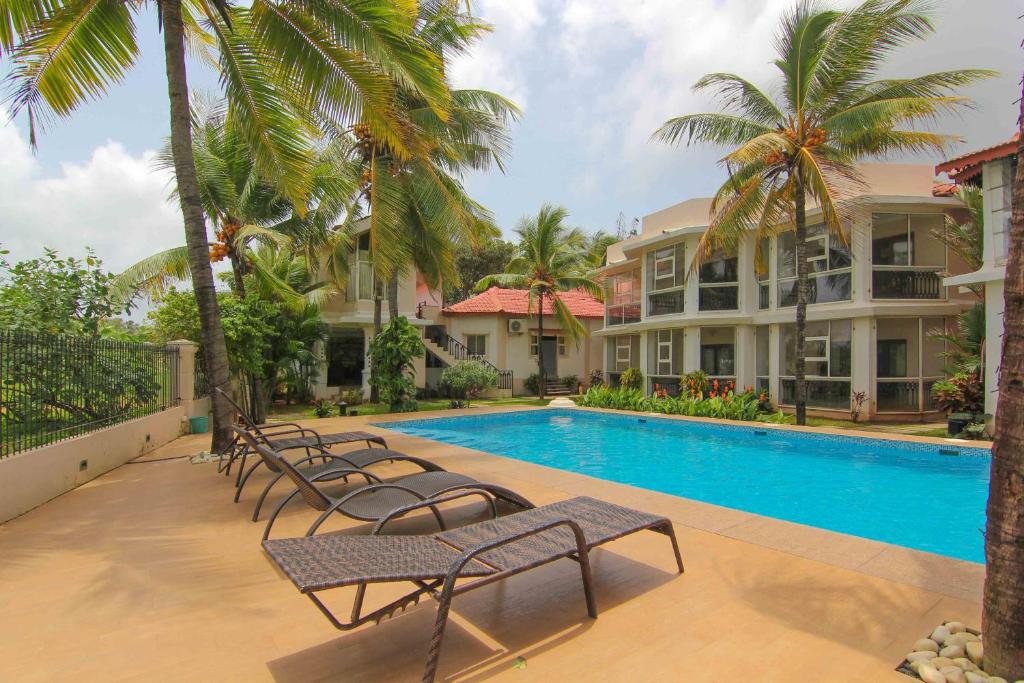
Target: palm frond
x,y
152,275
720,129
740,95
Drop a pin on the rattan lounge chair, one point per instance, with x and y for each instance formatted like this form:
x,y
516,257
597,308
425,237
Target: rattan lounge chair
x,y
379,498
485,552
316,447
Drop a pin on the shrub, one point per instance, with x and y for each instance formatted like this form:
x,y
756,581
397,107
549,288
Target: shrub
x,y
353,397
391,355
323,407
695,383
961,393
729,406
570,381
468,378
631,378
532,383
596,378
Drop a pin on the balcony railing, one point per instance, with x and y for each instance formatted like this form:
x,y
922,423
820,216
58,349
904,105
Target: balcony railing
x,y
459,351
821,393
822,288
906,283
719,298
666,303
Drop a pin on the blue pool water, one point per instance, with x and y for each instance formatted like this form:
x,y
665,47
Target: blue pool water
x,y
921,496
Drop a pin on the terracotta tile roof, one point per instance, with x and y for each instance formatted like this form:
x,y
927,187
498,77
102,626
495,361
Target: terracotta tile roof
x,y
497,300
943,189
967,166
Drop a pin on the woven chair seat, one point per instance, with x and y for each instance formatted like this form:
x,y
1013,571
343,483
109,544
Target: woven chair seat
x,y
325,439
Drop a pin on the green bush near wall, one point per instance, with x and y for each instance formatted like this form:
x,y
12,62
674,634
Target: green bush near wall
x,y
728,407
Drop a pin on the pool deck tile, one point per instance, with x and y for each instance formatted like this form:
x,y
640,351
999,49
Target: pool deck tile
x,y
151,573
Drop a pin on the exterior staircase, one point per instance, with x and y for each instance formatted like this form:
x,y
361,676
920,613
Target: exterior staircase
x,y
554,387
450,351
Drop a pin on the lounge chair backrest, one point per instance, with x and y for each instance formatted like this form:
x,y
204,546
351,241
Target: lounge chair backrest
x,y
312,495
242,416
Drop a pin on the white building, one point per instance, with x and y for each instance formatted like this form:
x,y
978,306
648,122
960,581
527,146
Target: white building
x,y
874,302
993,170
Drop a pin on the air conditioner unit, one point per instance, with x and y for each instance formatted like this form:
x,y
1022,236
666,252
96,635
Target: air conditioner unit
x,y
516,326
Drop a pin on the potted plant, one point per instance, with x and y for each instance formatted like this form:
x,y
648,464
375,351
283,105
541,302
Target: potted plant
x,y
962,395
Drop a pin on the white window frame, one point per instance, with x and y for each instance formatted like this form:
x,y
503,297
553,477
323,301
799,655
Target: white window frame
x,y
619,346
535,344
659,346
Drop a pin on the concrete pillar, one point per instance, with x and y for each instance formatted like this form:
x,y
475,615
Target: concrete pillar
x,y
774,364
994,305
745,352
367,336
862,363
186,375
643,363
691,350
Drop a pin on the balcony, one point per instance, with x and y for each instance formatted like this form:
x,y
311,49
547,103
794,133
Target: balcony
x,y
719,298
822,288
622,314
906,283
666,303
832,394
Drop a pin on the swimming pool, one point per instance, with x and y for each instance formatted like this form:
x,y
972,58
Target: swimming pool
x,y
922,496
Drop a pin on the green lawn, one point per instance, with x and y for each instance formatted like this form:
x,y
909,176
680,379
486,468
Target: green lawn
x,y
296,412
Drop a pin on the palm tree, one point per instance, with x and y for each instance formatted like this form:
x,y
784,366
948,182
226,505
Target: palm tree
x,y
966,238
832,110
547,263
1003,602
283,65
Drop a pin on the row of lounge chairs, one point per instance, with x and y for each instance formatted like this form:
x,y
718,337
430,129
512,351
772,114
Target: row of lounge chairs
x,y
473,555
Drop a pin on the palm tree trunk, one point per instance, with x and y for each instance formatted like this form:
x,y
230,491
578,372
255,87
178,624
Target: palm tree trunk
x,y
1003,607
214,349
393,296
801,299
540,346
377,327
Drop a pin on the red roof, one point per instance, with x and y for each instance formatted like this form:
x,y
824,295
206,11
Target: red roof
x,y
967,166
943,189
516,301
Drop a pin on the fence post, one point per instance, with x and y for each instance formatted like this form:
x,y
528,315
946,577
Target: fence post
x,y
186,374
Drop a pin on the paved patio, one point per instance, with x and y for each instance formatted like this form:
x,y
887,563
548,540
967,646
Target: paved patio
x,y
151,573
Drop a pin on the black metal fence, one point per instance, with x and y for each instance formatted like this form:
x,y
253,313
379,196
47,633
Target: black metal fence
x,y
200,385
54,387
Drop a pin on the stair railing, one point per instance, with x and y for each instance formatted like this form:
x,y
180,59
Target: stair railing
x,y
459,351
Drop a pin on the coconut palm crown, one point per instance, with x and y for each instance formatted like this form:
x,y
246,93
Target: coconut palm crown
x,y
547,263
829,110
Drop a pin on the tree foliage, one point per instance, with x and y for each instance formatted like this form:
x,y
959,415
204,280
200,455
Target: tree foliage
x,y
474,263
392,353
469,378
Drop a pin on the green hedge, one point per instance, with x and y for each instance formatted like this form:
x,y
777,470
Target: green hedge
x,y
729,407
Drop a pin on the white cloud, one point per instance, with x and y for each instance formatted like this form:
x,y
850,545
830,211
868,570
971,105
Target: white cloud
x,y
496,61
114,202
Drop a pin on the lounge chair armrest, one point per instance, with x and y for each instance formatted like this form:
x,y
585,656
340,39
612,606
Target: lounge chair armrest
x,y
429,502
371,478
349,496
294,429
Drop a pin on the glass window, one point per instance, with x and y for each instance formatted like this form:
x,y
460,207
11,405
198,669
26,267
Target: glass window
x,y
665,352
786,245
622,298
476,344
720,269
890,239
666,286
719,284
827,349
761,340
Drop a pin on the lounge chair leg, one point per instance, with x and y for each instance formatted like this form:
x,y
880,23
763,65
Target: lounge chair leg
x,y
588,589
245,478
276,512
241,467
263,495
444,603
671,533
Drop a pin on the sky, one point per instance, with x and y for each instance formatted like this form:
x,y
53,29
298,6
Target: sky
x,y
594,79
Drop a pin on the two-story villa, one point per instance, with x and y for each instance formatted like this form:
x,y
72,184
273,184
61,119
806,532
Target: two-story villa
x,y
876,302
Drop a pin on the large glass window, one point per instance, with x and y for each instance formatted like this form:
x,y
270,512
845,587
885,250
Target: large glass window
x,y
665,358
666,286
360,272
763,274
828,268
622,299
828,351
718,352
719,283
908,360
623,352
906,257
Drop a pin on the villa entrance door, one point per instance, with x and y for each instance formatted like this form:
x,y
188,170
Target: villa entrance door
x,y
550,347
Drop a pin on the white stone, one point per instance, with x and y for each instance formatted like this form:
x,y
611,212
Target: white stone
x,y
975,677
562,403
953,674
929,674
926,644
975,652
956,639
997,679
940,662
921,656
956,626
940,634
965,664
952,651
